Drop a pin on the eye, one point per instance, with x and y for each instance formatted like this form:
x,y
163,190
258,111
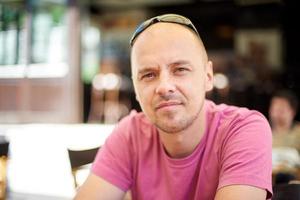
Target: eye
x,y
148,76
180,70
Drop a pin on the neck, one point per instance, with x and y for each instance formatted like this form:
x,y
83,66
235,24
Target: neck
x,y
281,129
182,144
284,128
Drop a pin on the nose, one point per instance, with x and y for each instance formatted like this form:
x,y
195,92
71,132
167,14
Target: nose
x,y
165,85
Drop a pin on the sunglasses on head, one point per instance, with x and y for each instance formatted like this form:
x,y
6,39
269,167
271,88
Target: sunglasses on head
x,y
169,18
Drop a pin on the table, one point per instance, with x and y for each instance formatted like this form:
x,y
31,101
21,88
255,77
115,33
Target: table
x,y
38,159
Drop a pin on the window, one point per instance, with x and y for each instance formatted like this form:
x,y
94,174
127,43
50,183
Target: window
x,y
33,40
11,34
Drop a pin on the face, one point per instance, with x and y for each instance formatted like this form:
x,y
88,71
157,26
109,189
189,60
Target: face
x,y
171,75
280,112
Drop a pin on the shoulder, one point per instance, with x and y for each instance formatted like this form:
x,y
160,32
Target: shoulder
x,y
236,120
128,135
244,145
136,123
135,120
228,113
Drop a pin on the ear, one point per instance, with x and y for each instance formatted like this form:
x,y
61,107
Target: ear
x,y
137,98
135,90
209,76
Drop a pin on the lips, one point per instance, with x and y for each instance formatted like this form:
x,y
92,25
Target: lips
x,y
167,104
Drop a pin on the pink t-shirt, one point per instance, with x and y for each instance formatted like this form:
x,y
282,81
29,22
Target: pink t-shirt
x,y
235,149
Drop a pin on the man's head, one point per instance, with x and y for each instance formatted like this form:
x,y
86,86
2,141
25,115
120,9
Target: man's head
x,y
171,73
283,108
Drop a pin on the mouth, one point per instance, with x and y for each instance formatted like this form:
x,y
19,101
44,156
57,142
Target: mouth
x,y
167,105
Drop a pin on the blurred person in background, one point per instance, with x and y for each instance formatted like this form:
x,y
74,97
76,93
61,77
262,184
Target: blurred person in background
x,y
286,136
282,112
181,146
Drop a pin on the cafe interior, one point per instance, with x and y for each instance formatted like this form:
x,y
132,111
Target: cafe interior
x,y
65,78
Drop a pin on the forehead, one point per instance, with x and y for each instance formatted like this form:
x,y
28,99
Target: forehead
x,y
280,102
166,39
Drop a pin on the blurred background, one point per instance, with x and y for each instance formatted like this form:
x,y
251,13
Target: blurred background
x,y
65,71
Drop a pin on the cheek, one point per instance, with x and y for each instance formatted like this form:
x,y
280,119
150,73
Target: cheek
x,y
143,95
289,115
193,92
199,87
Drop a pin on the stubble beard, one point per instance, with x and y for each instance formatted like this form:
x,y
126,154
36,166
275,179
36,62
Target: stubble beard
x,y
172,125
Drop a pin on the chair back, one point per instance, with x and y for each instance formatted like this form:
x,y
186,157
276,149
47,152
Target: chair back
x,y
80,158
286,192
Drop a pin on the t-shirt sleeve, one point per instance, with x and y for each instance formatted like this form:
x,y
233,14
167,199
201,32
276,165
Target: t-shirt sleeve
x,y
113,161
246,157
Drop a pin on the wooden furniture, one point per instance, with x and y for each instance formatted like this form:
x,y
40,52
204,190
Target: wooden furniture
x,y
3,168
286,192
79,159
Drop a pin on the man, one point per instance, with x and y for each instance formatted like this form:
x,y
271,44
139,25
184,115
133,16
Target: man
x,y
182,146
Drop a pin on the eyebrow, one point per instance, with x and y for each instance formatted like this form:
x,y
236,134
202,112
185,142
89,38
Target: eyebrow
x,y
146,69
180,62
173,64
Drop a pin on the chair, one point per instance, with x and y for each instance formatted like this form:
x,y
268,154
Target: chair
x,y
286,192
79,159
4,145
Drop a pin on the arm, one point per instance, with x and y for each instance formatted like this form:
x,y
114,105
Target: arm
x,y
237,192
246,160
96,188
111,173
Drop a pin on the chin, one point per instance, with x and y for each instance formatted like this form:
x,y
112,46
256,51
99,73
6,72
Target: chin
x,y
171,126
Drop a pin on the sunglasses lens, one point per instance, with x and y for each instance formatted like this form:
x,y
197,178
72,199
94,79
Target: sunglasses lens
x,y
175,18
171,18
140,29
